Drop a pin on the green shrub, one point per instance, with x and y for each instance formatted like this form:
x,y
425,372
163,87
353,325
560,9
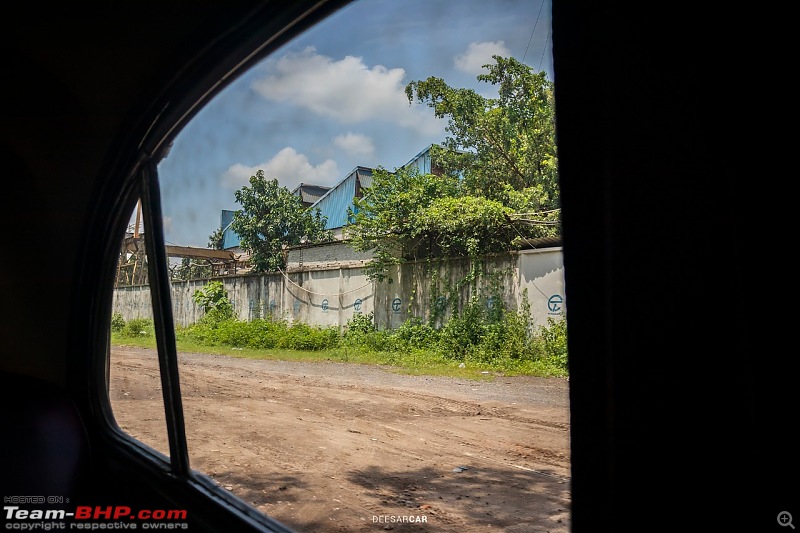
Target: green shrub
x,y
414,333
234,333
463,331
117,322
554,337
381,341
265,334
138,327
213,298
361,323
301,336
490,337
358,329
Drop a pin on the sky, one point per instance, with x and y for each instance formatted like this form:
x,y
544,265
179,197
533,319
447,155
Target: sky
x,y
334,98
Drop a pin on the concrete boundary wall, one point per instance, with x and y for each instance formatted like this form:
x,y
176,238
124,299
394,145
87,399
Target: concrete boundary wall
x,y
331,296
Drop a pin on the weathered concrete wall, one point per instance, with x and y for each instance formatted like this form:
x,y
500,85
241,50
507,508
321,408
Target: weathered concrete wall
x,y
331,296
541,276
433,289
328,255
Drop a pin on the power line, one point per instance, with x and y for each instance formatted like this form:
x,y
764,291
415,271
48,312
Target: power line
x,y
532,31
544,48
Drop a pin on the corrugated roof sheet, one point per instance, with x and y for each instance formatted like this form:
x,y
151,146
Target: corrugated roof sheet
x,y
310,193
364,177
334,203
422,161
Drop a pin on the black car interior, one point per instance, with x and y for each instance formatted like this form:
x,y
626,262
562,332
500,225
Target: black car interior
x,y
683,406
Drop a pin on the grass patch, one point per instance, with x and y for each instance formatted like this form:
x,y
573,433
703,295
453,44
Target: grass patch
x,y
467,347
419,364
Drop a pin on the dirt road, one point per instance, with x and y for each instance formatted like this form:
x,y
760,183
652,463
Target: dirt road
x,y
332,447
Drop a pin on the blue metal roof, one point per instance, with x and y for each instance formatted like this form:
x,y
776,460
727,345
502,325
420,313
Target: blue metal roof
x,y
422,161
229,238
308,193
335,203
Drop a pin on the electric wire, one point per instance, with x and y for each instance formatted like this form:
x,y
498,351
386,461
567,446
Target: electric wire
x,y
544,49
532,31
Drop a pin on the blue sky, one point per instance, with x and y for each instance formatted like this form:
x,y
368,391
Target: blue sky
x,y
333,99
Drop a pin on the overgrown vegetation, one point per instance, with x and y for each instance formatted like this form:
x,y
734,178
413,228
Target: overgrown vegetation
x,y
135,328
213,299
493,184
473,341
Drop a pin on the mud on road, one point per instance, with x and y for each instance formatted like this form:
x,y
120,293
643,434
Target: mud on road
x,y
334,447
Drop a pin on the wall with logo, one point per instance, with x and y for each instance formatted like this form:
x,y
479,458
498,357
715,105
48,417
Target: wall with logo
x,y
332,295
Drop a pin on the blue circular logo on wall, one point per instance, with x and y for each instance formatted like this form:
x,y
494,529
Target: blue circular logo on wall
x,y
325,304
357,304
396,305
555,303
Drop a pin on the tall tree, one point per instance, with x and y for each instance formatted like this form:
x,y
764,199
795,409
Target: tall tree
x,y
500,182
384,218
216,239
271,217
494,141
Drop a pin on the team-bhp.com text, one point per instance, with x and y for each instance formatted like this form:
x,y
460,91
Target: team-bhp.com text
x,y
86,517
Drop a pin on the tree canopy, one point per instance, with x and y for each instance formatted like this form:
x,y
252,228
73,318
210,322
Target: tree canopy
x,y
499,181
271,217
494,141
215,240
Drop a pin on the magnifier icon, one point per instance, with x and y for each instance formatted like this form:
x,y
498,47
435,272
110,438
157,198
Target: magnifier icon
x,y
785,519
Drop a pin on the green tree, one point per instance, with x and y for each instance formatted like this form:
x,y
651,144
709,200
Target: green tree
x,y
215,240
384,216
499,185
405,215
495,141
271,217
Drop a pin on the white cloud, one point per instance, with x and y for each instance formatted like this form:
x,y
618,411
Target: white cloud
x,y
355,144
346,90
479,54
288,167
